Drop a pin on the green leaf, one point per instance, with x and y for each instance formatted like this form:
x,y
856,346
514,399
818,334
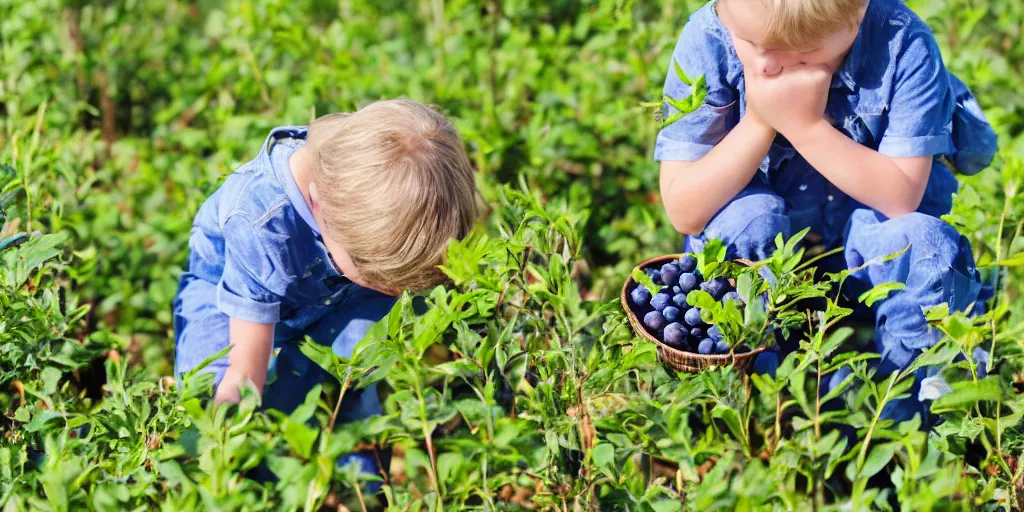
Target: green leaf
x,y
448,464
965,394
603,455
641,277
300,437
51,377
1016,260
731,418
680,73
206,362
324,357
835,340
879,292
41,419
877,458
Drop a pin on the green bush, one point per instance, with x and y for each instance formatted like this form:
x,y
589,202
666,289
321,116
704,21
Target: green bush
x,y
522,385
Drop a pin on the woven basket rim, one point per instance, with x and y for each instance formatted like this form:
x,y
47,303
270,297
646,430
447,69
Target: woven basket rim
x,y
639,330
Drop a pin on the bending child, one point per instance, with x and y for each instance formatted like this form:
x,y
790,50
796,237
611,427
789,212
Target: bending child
x,y
315,237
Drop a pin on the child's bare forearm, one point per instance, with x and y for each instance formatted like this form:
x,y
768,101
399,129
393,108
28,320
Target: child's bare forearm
x,y
894,187
250,353
693,192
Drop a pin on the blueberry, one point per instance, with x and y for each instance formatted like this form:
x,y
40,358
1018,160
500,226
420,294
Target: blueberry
x,y
676,290
660,300
706,346
688,282
722,347
716,287
687,263
641,295
671,313
656,276
680,300
714,333
697,333
732,296
675,335
669,274
654,320
692,317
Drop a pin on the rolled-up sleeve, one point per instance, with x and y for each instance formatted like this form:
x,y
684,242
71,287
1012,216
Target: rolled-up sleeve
x,y
921,109
243,292
699,52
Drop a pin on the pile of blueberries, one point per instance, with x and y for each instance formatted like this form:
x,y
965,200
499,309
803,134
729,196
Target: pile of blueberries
x,y
670,318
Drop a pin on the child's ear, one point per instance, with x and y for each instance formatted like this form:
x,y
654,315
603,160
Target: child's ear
x,y
314,198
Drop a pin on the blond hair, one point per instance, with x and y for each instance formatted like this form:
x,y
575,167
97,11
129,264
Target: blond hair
x,y
804,23
395,186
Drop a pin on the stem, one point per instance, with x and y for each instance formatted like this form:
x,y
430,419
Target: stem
x,y
999,250
427,436
817,258
778,420
874,421
337,406
817,409
359,496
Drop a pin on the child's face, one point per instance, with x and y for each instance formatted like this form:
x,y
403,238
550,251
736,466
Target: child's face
x,y
339,256
745,21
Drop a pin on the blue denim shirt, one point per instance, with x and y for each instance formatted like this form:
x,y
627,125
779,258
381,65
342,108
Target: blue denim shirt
x,y
256,240
892,93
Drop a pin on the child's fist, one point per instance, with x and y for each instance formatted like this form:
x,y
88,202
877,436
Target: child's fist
x,y
230,388
791,101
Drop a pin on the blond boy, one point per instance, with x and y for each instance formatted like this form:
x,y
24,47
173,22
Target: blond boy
x,y
315,237
832,115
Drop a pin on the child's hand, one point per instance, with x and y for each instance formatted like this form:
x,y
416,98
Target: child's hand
x,y
792,101
229,389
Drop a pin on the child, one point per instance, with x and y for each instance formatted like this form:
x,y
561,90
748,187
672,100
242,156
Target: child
x,y
315,237
832,115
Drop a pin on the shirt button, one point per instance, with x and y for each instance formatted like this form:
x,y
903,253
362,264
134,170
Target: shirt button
x,y
831,197
803,187
327,302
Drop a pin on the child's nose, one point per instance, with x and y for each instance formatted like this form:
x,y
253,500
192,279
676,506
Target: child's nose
x,y
768,65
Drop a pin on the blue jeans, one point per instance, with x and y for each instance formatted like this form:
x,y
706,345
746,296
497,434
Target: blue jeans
x,y
201,330
937,268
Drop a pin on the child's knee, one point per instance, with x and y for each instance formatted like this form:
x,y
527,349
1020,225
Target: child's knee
x,y
937,265
870,235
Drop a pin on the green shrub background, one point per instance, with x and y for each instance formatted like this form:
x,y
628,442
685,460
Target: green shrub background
x,y
117,119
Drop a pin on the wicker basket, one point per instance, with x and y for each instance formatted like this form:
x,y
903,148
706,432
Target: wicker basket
x,y
681,360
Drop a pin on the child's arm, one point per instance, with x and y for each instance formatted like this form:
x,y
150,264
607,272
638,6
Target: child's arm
x,y
893,186
710,154
249,294
794,103
893,179
694,191
248,359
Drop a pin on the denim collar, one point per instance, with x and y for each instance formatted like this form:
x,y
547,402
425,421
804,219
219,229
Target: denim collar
x,y
291,138
848,70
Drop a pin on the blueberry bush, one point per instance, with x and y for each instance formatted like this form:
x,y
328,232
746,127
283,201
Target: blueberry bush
x,y
521,386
